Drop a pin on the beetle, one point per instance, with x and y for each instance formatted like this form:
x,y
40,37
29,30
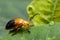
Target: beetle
x,y
17,24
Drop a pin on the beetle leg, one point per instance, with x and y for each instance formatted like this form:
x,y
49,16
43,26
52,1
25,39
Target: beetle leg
x,y
11,31
28,30
18,29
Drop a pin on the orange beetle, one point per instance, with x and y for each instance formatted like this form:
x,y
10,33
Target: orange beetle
x,y
17,24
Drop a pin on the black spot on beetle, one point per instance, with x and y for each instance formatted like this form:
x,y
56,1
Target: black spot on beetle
x,y
10,24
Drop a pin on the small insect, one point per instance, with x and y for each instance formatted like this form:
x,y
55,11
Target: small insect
x,y
17,24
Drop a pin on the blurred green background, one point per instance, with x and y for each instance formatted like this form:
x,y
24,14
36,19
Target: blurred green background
x,y
45,11
10,9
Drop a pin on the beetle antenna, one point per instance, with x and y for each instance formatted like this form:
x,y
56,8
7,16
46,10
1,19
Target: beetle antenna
x,y
33,16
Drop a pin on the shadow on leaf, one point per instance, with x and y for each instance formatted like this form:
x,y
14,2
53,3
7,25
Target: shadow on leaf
x,y
14,32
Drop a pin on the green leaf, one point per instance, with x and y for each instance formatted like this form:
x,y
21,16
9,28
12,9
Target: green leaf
x,y
57,11
10,9
44,11
42,32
